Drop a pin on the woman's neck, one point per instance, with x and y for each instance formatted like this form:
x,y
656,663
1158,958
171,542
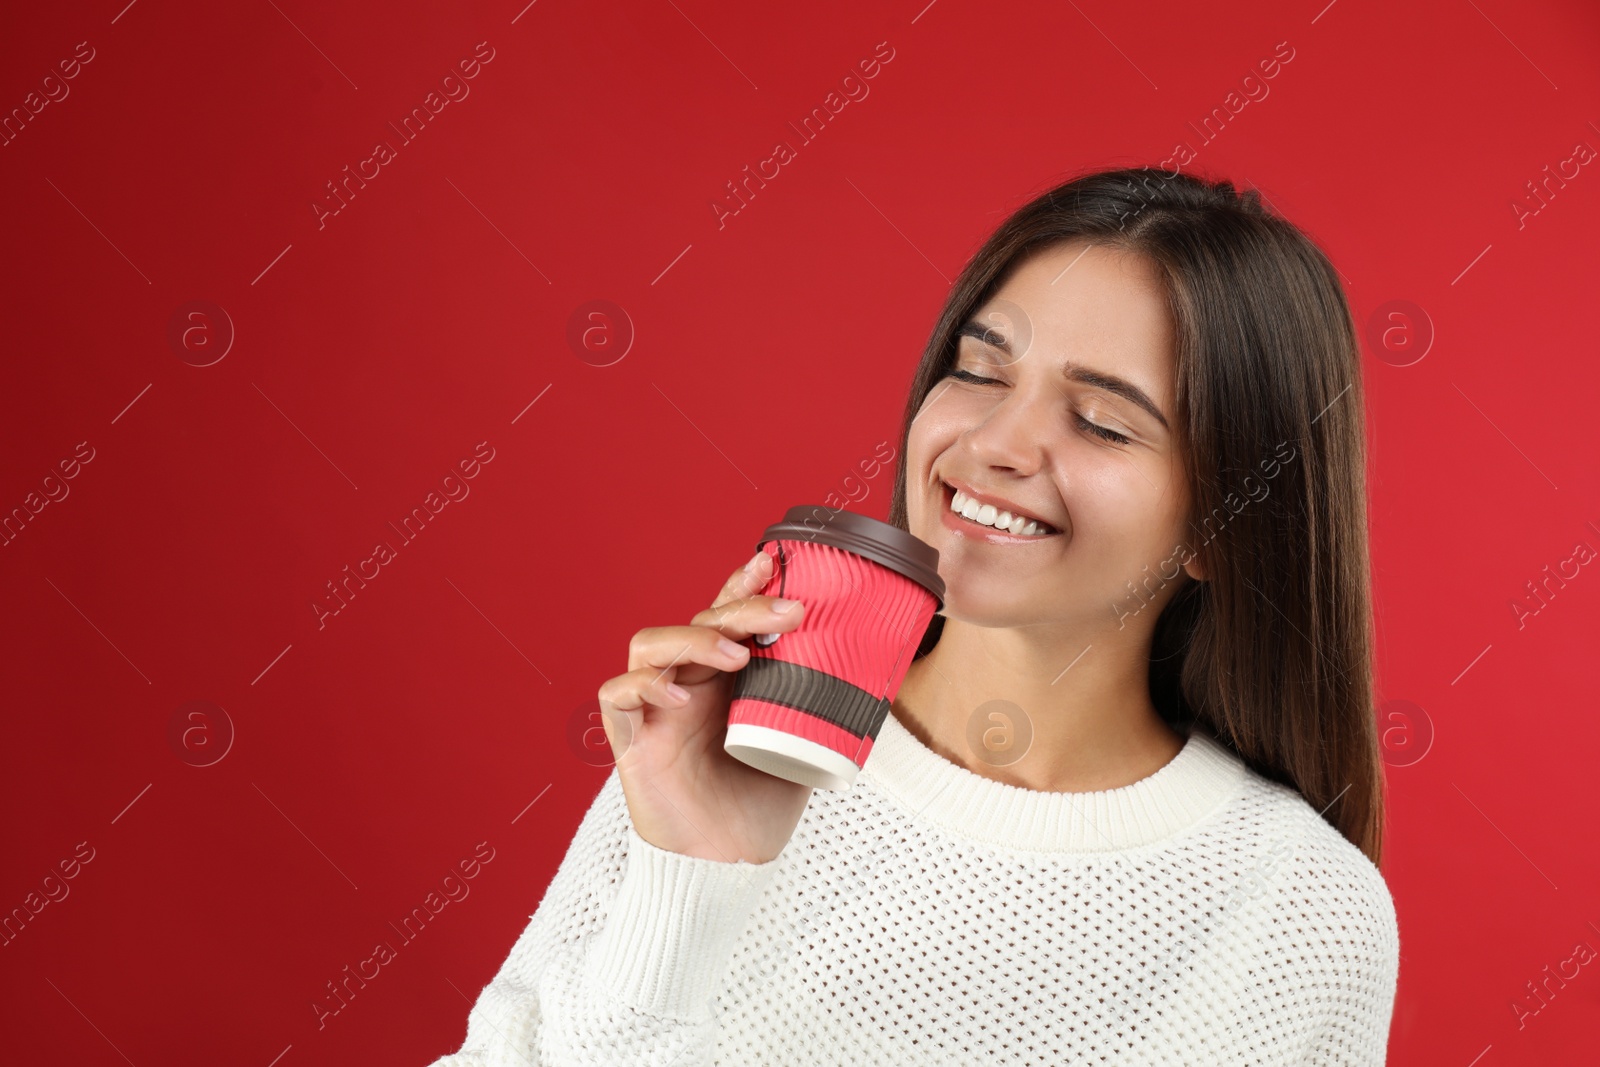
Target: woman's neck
x,y
1078,713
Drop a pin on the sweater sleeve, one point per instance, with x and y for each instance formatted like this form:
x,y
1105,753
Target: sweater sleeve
x,y
1361,996
620,962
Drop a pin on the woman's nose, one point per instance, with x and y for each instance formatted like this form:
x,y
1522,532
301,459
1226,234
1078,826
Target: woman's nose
x,y
1014,434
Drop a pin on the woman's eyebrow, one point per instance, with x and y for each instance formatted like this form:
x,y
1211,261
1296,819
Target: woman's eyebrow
x,y
1075,371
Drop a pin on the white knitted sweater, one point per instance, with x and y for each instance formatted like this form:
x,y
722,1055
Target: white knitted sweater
x,y
1201,915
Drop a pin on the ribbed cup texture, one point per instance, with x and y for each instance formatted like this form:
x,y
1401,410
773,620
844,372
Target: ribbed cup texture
x,y
863,622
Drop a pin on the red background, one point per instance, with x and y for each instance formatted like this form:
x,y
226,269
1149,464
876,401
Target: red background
x,y
769,357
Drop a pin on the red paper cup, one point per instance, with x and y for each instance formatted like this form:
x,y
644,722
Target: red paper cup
x,y
809,704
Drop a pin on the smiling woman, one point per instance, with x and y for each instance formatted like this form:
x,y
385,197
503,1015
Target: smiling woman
x,y
1084,833
1118,380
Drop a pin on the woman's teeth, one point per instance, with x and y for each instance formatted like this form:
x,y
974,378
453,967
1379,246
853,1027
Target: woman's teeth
x,y
989,515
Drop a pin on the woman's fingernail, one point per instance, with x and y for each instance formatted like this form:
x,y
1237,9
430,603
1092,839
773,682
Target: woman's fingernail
x,y
731,649
784,606
677,692
755,561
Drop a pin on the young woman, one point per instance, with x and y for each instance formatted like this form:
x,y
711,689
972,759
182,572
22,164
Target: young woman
x,y
1127,805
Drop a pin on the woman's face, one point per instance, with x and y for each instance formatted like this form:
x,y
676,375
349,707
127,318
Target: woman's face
x,y
1060,433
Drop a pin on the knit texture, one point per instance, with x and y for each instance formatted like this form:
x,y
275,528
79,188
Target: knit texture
x,y
1201,915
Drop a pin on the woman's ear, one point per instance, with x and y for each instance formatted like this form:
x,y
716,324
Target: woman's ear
x,y
1195,568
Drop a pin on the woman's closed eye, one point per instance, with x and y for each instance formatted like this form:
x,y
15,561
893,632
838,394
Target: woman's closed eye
x,y
1101,432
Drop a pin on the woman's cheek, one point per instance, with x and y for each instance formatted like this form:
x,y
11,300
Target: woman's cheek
x,y
939,426
1130,509
1113,481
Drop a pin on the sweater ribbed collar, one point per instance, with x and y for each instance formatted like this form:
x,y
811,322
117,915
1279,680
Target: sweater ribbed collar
x,y
1192,784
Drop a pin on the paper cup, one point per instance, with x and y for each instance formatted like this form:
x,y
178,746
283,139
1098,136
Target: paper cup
x,y
809,703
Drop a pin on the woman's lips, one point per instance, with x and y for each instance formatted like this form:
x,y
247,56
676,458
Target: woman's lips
x,y
976,531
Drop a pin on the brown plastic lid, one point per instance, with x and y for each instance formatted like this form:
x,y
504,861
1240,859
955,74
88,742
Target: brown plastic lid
x,y
901,552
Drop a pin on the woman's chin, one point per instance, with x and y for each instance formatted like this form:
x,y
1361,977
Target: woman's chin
x,y
990,610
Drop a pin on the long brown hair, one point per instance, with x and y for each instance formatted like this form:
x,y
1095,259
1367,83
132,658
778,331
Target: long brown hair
x,y
1272,653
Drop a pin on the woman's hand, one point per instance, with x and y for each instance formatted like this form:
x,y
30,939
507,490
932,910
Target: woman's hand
x,y
666,720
